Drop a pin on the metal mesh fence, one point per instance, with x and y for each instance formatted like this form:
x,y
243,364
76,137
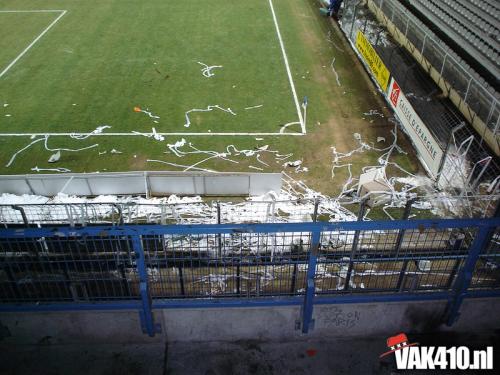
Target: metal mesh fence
x,y
239,264
396,261
67,269
487,271
103,264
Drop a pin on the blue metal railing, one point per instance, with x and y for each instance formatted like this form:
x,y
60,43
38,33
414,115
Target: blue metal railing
x,y
147,267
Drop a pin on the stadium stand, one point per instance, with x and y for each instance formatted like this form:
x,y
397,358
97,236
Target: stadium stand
x,y
471,24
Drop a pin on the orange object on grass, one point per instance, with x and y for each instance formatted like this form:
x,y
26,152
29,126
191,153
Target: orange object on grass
x,y
137,109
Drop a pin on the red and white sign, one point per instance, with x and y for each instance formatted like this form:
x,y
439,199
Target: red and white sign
x,y
395,91
427,147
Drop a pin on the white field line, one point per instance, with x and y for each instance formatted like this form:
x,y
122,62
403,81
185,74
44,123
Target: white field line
x,y
34,11
142,134
63,12
290,79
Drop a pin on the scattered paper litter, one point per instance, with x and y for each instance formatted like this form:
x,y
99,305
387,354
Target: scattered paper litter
x,y
254,107
45,139
55,157
60,170
374,112
335,72
257,168
146,111
82,136
295,163
208,109
207,70
157,136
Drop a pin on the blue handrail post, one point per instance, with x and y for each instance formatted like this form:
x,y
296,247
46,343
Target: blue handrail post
x,y
308,306
355,242
146,314
464,276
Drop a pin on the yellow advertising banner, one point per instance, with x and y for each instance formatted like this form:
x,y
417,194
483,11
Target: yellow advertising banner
x,y
378,68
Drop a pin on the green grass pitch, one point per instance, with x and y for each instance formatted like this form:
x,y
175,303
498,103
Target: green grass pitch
x,y
89,63
102,59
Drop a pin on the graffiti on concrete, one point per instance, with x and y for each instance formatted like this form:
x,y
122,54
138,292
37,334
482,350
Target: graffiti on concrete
x,y
335,317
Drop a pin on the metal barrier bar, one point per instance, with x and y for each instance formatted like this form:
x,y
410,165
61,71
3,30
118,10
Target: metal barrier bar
x,y
240,302
152,230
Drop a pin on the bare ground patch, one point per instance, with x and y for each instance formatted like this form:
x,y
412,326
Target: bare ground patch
x,y
346,105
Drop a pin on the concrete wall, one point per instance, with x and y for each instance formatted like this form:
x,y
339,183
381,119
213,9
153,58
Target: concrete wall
x,y
232,324
111,327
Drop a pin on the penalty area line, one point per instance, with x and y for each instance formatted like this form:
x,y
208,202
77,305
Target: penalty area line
x,y
146,134
34,11
63,12
287,66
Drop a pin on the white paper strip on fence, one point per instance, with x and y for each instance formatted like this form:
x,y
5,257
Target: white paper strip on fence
x,y
427,147
154,183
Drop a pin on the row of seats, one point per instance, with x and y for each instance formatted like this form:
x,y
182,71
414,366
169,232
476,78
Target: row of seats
x,y
472,23
477,6
486,5
485,21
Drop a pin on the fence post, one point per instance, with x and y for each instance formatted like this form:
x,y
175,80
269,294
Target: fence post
x,y
307,307
355,13
315,212
146,184
146,314
456,241
355,240
399,243
23,214
407,25
464,276
219,236
181,281
238,279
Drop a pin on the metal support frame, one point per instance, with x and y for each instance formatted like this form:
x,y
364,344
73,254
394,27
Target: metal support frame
x,y
446,151
23,214
146,313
